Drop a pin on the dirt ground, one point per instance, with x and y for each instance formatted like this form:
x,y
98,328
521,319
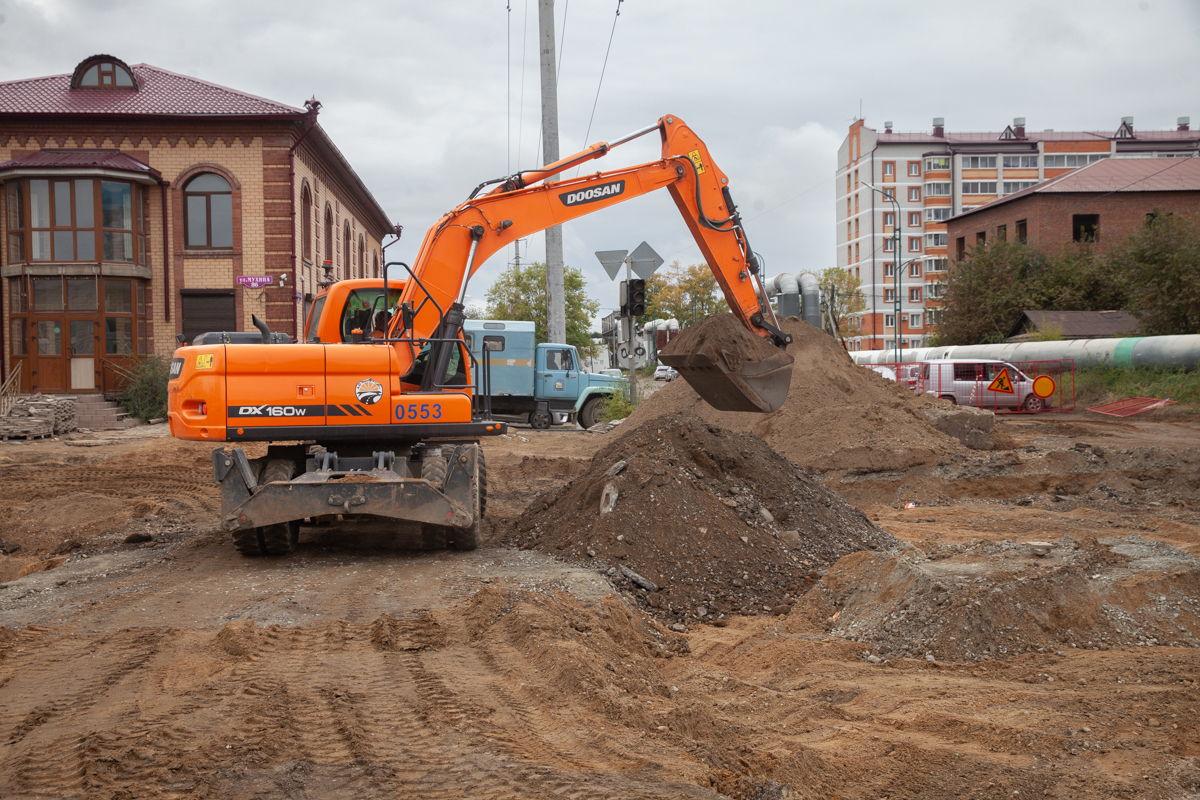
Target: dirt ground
x,y
170,667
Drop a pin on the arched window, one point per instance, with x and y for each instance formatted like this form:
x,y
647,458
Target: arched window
x,y
329,233
346,250
208,212
306,223
103,72
362,257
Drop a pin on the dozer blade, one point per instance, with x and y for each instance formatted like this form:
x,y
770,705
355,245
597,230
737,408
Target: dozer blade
x,y
760,386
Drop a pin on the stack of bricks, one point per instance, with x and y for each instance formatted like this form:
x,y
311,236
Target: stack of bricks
x,y
37,416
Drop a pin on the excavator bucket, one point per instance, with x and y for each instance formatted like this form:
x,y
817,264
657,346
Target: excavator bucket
x,y
728,384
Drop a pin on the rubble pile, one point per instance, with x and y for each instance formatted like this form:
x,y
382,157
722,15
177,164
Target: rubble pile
x,y
699,523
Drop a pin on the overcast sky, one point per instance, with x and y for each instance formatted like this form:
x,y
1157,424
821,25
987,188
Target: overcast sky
x,y
428,99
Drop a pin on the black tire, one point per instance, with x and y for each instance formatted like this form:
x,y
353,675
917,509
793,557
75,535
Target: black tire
x,y
1034,404
468,538
281,539
433,469
541,419
590,414
249,541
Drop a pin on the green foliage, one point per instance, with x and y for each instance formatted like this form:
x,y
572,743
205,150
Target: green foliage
x,y
145,396
520,294
1161,265
848,300
987,291
1048,333
617,405
1096,385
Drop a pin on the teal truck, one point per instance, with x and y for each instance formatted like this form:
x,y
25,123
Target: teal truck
x,y
542,384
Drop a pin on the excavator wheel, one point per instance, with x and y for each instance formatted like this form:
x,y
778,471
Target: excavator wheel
x,y
249,541
278,539
433,469
281,539
468,538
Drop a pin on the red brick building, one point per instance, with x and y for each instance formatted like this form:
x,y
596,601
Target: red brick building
x,y
139,204
1102,203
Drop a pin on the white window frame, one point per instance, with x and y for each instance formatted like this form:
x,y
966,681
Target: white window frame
x,y
914,294
937,264
938,189
914,320
889,245
1020,162
914,244
938,213
914,219
914,194
889,215
937,239
978,162
914,269
1012,187
889,320
889,270
889,169
914,169
937,163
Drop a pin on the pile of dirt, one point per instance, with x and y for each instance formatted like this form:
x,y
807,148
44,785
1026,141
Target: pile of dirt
x,y
982,600
838,416
716,520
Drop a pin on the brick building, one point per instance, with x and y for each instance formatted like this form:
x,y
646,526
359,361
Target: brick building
x,y
139,204
1102,203
937,174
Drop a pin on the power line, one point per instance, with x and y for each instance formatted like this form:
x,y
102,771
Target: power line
x,y
601,83
508,86
521,111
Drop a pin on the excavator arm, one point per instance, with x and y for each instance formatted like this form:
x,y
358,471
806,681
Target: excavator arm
x,y
523,204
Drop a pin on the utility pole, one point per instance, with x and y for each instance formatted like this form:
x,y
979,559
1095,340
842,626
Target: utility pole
x,y
556,309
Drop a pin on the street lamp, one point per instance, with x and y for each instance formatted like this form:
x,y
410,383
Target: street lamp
x,y
896,304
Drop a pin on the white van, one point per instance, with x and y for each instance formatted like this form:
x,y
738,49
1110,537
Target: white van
x,y
967,381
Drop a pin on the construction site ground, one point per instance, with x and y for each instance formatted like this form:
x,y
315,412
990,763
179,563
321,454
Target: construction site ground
x,y
140,656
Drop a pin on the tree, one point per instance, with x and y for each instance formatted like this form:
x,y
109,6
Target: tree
x,y
687,294
1161,267
846,292
986,292
520,294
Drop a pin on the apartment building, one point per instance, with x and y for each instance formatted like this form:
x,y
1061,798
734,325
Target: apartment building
x,y
917,181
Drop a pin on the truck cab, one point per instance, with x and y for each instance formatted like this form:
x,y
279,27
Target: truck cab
x,y
542,384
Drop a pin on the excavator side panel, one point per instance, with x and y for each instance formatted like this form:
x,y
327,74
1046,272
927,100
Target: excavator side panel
x,y
280,385
196,393
356,378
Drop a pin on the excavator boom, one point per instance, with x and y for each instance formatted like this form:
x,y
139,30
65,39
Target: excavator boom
x,y
523,204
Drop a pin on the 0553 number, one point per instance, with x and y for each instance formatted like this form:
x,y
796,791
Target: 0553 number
x,y
423,411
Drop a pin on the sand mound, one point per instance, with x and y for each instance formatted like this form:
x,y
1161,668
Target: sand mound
x,y
240,639
77,509
996,599
837,415
717,520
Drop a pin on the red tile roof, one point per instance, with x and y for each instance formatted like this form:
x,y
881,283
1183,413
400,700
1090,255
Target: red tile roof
x,y
160,92
74,159
985,137
1116,175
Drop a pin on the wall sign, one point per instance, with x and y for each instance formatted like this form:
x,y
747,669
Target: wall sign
x,y
255,281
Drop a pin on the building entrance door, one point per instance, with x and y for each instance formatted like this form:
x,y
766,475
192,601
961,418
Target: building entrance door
x,y
49,367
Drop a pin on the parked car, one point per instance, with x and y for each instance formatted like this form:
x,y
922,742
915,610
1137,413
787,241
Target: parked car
x,y
665,373
968,382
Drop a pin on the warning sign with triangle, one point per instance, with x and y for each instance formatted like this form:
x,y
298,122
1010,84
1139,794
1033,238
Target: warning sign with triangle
x,y
1002,383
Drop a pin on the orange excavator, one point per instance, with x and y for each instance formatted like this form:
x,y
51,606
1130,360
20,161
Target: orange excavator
x,y
378,413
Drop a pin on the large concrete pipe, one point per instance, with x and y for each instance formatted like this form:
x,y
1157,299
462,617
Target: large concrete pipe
x,y
1166,352
810,299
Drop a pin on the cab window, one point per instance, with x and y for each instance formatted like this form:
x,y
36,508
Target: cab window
x,y
314,315
559,360
365,310
495,344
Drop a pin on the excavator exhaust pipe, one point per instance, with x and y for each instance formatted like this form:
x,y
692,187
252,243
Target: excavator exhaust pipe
x,y
728,384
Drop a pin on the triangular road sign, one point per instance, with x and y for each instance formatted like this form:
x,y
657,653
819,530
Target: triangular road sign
x,y
1002,383
612,261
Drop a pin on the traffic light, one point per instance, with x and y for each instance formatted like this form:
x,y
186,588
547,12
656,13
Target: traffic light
x,y
637,297
623,298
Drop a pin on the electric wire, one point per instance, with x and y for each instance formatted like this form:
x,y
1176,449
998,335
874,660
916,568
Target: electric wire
x,y
521,108
604,67
508,87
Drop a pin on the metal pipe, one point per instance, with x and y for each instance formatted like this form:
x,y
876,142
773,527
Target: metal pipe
x,y
810,299
1165,352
